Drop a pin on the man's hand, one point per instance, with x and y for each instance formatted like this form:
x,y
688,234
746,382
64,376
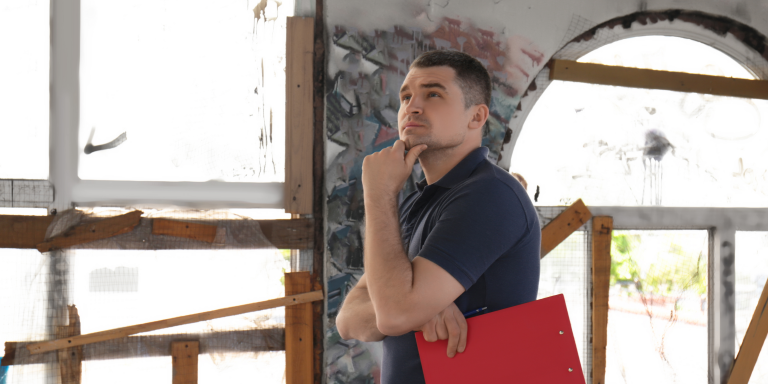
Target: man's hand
x,y
449,324
385,172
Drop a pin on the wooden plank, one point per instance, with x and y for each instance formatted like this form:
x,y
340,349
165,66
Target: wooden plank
x,y
23,231
85,233
29,231
193,231
563,225
250,340
172,322
602,230
70,359
753,342
289,234
184,355
651,79
298,332
299,115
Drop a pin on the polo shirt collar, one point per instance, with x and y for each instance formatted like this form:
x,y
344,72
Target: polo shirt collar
x,y
461,171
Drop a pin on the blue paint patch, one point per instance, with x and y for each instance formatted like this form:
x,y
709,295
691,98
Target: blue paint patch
x,y
4,374
341,232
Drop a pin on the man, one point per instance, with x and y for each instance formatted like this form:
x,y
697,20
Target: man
x,y
468,238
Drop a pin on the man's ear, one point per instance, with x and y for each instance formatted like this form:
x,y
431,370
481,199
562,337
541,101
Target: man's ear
x,y
479,116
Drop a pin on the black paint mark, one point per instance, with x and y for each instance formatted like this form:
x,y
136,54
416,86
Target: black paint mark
x,y
536,195
90,148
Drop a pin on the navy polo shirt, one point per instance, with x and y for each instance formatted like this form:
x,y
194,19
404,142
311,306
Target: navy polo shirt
x,y
478,224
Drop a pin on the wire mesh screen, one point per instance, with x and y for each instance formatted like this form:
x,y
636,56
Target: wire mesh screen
x,y
751,274
566,270
138,277
657,318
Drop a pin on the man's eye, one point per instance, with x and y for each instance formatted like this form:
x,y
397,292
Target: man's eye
x,y
407,97
434,94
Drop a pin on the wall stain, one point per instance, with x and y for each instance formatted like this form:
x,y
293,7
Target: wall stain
x,y
720,25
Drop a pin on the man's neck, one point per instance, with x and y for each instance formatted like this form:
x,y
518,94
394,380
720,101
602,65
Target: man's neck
x,y
438,163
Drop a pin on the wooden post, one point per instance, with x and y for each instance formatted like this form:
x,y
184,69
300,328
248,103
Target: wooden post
x,y
745,361
184,355
298,332
299,113
70,359
602,229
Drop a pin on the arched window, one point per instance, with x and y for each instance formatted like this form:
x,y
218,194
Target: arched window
x,y
617,146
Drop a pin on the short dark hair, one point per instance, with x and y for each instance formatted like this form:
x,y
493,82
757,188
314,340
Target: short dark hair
x,y
471,75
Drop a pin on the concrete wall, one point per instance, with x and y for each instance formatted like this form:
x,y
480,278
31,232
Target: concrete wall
x,y
371,43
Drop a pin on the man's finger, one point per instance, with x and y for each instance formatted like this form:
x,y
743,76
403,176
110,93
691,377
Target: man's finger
x,y
442,331
399,146
429,332
454,332
413,154
463,338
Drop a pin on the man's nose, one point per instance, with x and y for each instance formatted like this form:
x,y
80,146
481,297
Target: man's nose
x,y
414,107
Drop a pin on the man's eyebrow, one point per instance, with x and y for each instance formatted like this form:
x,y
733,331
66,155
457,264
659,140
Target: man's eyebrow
x,y
425,85
434,85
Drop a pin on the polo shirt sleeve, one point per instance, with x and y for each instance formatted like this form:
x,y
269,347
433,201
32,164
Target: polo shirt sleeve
x,y
475,226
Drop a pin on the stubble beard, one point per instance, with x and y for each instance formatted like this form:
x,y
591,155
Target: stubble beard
x,y
436,150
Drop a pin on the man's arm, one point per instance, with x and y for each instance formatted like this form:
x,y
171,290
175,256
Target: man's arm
x,y
404,294
357,319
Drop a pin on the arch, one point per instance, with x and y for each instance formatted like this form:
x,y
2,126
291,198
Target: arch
x,y
741,42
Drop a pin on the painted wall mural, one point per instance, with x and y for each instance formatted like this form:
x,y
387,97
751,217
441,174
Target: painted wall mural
x,y
365,71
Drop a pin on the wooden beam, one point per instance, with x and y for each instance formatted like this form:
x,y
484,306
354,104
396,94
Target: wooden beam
x,y
651,79
602,230
117,333
184,355
23,231
299,115
29,231
290,234
753,342
563,226
248,340
70,359
85,233
298,332
193,231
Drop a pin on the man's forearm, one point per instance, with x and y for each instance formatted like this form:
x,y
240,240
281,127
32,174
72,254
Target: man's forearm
x,y
388,270
357,319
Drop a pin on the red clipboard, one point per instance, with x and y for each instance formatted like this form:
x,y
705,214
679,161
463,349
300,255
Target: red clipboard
x,y
521,344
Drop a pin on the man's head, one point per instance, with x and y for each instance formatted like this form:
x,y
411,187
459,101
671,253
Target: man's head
x,y
444,102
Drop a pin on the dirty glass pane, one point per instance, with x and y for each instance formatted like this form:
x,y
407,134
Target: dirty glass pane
x,y
751,275
657,318
176,90
565,271
120,288
626,146
25,46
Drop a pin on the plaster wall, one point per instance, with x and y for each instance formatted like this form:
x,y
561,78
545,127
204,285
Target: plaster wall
x,y
371,43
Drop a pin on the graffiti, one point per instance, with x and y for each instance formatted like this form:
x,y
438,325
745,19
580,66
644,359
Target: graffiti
x,y
365,71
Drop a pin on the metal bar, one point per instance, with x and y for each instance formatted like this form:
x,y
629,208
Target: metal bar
x,y
64,98
211,194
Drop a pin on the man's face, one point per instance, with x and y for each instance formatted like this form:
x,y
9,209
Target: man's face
x,y
432,109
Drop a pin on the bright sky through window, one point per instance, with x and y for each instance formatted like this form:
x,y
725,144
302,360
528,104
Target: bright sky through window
x,y
625,146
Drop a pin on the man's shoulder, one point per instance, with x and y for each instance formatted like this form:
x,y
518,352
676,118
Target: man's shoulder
x,y
492,179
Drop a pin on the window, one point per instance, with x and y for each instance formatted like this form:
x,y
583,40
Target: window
x,y
632,147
